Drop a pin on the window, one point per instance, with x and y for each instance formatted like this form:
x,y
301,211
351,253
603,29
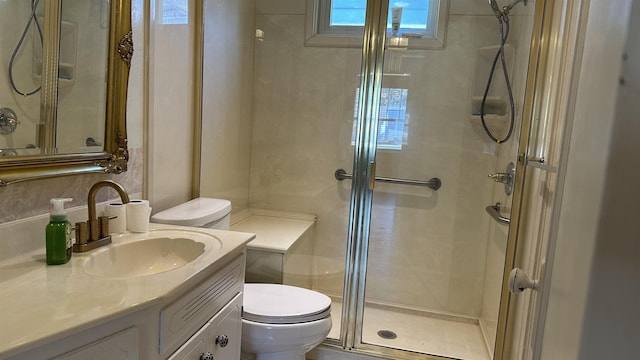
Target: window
x,y
392,118
175,11
341,22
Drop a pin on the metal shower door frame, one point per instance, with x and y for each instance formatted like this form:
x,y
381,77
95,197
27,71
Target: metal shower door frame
x,y
373,50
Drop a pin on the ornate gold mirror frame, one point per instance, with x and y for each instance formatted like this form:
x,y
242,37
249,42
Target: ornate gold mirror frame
x,y
114,157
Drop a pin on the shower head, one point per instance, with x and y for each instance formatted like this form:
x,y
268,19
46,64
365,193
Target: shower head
x,y
495,8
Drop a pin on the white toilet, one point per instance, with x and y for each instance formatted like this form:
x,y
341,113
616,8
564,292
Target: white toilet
x,y
279,322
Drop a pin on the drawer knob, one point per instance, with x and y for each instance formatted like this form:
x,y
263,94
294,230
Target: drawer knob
x,y
222,340
206,356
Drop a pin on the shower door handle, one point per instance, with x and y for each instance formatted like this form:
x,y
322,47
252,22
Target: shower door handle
x,y
372,175
519,281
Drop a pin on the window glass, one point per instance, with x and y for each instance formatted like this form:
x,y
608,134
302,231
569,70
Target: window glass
x,y
175,11
340,23
415,14
392,119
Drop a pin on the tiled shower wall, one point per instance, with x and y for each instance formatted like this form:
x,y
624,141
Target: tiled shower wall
x,y
13,18
428,248
81,88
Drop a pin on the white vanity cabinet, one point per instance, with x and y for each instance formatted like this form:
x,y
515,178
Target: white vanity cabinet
x,y
218,339
204,313
202,321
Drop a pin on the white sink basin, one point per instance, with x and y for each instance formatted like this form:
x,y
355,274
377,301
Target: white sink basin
x,y
148,256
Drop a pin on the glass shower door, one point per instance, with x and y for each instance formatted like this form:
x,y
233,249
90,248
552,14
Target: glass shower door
x,y
435,257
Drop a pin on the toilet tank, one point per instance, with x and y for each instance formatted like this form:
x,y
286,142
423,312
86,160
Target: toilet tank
x,y
199,212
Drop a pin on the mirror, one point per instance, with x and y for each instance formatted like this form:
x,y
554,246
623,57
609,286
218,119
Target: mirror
x,y
63,87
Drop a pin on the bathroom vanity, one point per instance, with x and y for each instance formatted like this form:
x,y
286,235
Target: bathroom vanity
x,y
173,293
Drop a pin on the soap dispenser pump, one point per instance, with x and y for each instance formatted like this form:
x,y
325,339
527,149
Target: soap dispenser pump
x,y
58,234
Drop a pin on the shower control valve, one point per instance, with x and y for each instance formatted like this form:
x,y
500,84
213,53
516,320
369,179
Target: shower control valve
x,y
506,178
503,178
8,121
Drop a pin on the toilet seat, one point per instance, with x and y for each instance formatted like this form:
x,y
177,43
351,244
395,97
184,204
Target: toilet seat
x,y
283,304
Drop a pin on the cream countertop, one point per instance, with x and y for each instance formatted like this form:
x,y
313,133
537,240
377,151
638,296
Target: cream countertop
x,y
40,303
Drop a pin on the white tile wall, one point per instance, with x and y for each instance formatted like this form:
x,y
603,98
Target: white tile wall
x,y
13,18
170,146
227,100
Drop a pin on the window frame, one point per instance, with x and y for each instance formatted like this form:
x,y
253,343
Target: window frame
x,y
318,33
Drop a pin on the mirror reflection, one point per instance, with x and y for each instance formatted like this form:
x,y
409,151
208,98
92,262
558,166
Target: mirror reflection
x,y
82,81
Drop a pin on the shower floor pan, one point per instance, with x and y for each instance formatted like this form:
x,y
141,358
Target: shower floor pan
x,y
458,339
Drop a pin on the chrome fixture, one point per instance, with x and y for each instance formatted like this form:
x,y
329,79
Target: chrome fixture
x,y
206,356
503,21
495,8
8,121
222,340
494,211
433,183
505,9
506,178
8,152
95,232
536,160
519,281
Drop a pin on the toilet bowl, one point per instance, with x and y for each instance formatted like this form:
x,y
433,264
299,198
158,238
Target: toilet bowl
x,y
278,321
283,322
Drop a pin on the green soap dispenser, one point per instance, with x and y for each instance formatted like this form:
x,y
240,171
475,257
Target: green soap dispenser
x,y
58,234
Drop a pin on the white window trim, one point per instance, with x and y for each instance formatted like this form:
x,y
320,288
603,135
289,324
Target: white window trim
x,y
314,38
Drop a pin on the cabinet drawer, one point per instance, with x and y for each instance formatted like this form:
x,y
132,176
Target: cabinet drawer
x,y
220,338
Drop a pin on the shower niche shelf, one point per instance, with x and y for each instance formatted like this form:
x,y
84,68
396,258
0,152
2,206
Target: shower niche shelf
x,y
496,112
68,55
496,109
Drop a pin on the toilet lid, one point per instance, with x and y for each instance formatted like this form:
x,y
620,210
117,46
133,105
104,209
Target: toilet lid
x,y
283,304
196,212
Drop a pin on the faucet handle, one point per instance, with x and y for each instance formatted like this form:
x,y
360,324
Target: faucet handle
x,y
82,232
104,224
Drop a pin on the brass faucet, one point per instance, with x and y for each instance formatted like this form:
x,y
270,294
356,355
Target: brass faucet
x,y
95,232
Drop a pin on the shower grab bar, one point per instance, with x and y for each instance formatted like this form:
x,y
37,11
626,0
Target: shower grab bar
x,y
494,211
433,183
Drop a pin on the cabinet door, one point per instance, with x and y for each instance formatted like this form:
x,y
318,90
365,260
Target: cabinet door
x,y
119,346
195,348
226,331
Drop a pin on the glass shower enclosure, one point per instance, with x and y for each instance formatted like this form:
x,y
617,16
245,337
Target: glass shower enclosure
x,y
366,114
